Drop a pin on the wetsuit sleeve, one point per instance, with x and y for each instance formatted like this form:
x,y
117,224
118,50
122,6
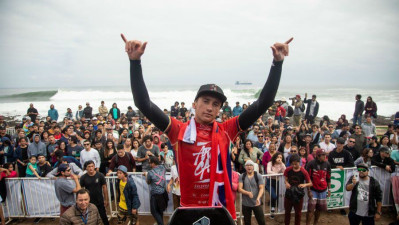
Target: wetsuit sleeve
x,y
265,100
142,99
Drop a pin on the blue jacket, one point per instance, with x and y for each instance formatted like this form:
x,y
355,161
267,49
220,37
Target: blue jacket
x,y
11,155
131,196
53,113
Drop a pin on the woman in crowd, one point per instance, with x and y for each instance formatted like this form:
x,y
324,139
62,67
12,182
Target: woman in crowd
x,y
62,147
274,167
267,156
235,153
285,147
385,142
303,156
134,151
370,108
109,152
252,153
365,158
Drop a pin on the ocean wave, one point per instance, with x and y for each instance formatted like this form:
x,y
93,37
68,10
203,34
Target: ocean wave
x,y
29,96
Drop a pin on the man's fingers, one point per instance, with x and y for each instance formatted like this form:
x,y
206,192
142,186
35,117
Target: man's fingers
x,y
144,46
123,38
289,40
274,50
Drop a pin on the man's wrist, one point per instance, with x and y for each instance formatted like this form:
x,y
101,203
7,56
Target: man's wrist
x,y
379,213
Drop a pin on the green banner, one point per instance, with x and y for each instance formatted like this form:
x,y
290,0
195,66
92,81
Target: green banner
x,y
337,189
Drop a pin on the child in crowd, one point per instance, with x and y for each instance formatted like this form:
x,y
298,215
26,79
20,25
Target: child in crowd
x,y
32,169
303,155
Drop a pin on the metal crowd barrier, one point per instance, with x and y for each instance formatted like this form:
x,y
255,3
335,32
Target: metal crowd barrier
x,y
32,197
10,131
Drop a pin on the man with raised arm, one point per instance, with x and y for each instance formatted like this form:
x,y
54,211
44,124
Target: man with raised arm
x,y
201,144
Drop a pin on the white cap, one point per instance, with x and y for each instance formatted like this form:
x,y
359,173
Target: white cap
x,y
249,162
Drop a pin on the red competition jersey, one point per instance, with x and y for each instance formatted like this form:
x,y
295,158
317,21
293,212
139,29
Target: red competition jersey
x,y
194,159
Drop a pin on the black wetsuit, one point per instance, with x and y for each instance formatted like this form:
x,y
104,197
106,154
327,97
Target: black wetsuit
x,y
160,120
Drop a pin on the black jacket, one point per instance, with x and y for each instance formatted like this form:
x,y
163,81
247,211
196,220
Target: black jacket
x,y
378,161
375,195
316,107
343,158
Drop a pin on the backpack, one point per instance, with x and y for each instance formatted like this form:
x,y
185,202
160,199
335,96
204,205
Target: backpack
x,y
245,175
302,107
290,111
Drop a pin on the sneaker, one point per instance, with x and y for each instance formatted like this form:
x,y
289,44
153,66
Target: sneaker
x,y
37,220
343,212
272,212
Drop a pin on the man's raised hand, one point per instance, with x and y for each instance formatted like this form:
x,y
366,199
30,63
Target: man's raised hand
x,y
280,50
135,49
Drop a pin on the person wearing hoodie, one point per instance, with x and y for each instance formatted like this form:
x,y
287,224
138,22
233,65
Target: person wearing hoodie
x,y
37,147
368,127
157,140
115,112
53,113
6,151
370,109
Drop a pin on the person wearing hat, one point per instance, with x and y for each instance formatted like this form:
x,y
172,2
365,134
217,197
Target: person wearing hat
x,y
64,189
339,157
201,140
312,108
127,197
383,160
297,103
319,171
366,199
237,110
252,190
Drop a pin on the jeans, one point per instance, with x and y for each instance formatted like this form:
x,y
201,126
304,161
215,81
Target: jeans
x,y
357,120
103,213
155,211
258,211
272,188
355,219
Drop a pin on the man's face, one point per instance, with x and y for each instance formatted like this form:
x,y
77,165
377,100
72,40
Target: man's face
x,y
322,158
206,109
351,142
67,172
82,201
296,165
87,145
148,143
99,145
51,106
120,175
384,154
315,129
256,129
358,130
308,139
90,168
363,172
42,159
260,137
327,138
120,152
52,139
37,139
294,150
330,128
249,168
368,119
313,98
340,146
31,105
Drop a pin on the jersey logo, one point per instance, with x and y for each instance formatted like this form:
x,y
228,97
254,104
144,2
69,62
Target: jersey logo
x,y
202,160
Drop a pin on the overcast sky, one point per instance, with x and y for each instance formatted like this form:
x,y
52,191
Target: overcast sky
x,y
67,43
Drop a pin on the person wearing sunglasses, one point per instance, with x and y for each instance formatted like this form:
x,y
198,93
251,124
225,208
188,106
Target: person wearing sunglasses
x,y
64,189
366,199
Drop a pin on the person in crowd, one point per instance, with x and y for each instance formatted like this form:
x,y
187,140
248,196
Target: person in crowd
x,y
304,157
235,153
315,135
145,151
383,160
368,127
394,138
134,152
7,153
326,144
275,166
79,113
293,151
130,113
174,186
167,157
174,110
370,109
319,171
73,164
226,109
207,104
395,156
396,121
73,149
253,133
32,112
237,110
385,142
361,140
267,156
250,153
22,156
90,154
365,158
280,112
373,144
158,195
312,108
251,186
339,157
260,143
95,183
115,112
285,147
7,171
102,110
296,179
122,158
350,147
83,212
69,114
128,199
359,108
88,111
37,147
31,169
298,104
65,189
366,198
43,167
52,113
183,109
106,156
